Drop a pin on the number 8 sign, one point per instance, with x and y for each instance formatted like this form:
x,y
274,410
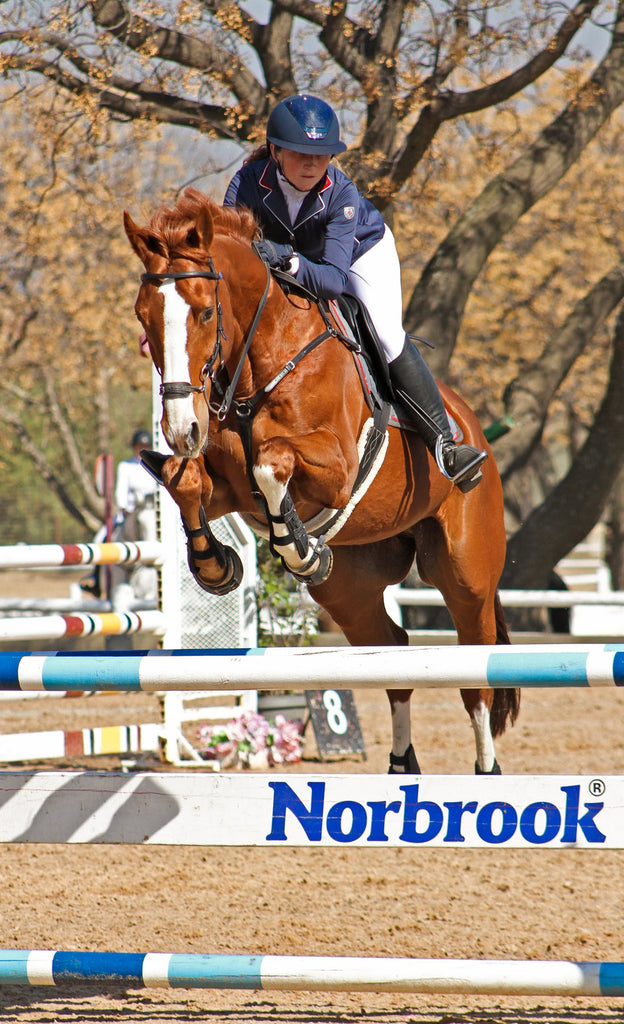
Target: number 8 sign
x,y
335,722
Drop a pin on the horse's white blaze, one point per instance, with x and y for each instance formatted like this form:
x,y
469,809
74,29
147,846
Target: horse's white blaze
x,y
480,719
180,411
274,492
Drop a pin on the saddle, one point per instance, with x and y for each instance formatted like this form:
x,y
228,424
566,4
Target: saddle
x,y
363,329
354,323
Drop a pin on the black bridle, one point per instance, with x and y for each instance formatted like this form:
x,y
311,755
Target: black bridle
x,y
182,388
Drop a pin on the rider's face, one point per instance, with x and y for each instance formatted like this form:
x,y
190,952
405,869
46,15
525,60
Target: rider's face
x,y
303,170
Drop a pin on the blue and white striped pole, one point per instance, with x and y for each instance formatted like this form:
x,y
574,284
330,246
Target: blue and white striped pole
x,y
311,973
542,665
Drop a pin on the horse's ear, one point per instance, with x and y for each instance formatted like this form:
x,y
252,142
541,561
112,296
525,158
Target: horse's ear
x,y
200,236
142,240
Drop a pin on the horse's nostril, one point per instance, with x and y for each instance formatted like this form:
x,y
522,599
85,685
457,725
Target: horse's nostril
x,y
194,436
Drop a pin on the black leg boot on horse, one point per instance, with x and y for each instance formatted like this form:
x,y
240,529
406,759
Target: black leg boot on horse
x,y
415,385
226,557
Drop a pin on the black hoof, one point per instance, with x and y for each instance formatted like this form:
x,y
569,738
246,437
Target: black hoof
x,y
407,761
153,463
495,770
324,561
232,580
227,558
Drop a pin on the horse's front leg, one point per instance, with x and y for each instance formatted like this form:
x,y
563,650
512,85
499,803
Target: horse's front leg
x,y
216,567
322,476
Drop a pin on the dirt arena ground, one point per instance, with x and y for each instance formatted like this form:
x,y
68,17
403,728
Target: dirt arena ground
x,y
511,904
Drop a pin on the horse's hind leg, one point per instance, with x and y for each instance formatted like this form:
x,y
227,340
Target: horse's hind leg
x,y
467,573
354,597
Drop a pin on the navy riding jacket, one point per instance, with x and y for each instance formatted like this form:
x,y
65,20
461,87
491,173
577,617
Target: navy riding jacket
x,y
335,225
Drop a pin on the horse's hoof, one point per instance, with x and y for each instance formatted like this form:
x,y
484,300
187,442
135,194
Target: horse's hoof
x,y
232,579
153,462
407,761
495,769
325,560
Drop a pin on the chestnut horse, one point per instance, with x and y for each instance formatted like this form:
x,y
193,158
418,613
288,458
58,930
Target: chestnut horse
x,y
264,410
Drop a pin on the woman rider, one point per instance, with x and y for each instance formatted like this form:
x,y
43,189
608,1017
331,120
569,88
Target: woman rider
x,y
318,227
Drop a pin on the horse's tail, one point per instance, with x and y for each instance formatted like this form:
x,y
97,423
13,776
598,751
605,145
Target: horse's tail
x,y
506,704
502,632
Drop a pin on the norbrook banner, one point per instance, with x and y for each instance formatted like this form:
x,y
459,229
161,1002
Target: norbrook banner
x,y
197,809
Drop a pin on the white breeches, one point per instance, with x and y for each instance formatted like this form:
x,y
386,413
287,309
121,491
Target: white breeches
x,y
375,279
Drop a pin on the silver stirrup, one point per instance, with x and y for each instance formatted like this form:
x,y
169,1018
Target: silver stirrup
x,y
466,472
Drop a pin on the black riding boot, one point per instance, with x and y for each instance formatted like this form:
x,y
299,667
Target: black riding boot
x,y
415,385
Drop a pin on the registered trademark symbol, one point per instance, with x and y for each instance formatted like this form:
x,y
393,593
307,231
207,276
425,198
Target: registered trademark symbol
x,y
597,787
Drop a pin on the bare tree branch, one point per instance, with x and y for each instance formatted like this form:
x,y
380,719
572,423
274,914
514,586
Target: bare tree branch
x,y
130,99
446,106
47,474
541,542
437,303
527,398
142,37
67,437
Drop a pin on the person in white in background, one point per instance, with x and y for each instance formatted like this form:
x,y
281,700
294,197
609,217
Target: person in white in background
x,y
135,497
135,520
135,491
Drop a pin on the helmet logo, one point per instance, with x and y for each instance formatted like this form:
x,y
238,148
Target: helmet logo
x,y
315,133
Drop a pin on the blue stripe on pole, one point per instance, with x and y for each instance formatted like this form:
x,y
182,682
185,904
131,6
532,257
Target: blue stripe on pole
x,y
618,668
611,979
218,971
226,652
112,967
102,672
9,668
563,667
14,967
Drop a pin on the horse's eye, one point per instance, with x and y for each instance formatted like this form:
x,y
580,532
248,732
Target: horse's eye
x,y
206,314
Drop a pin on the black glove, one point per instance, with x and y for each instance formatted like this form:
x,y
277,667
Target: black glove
x,y
278,256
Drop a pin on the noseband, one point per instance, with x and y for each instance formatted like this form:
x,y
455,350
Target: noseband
x,y
181,389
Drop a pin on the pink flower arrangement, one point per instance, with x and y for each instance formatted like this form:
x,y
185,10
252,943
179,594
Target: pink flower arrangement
x,y
250,741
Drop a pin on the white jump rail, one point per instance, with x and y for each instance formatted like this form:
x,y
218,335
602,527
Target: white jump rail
x,y
428,597
81,624
312,668
310,973
54,556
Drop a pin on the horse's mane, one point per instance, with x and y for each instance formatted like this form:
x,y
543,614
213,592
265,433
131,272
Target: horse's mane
x,y
173,226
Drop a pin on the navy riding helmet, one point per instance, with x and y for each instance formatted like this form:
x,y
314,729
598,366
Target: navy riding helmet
x,y
305,124
141,437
